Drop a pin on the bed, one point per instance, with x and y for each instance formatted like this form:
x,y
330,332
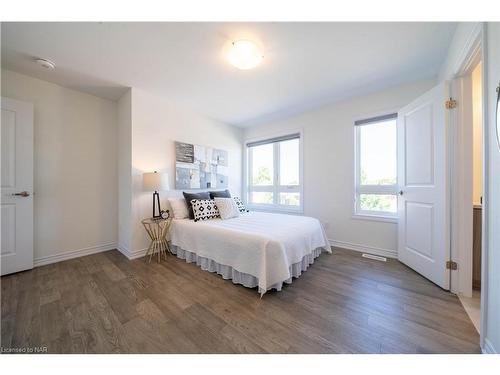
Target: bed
x,y
255,249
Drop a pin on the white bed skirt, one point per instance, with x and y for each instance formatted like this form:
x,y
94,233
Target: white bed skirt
x,y
249,281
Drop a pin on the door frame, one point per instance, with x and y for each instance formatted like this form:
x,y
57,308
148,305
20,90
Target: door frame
x,y
461,212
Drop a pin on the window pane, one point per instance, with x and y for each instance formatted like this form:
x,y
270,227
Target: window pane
x,y
378,202
290,199
260,197
289,162
262,165
377,144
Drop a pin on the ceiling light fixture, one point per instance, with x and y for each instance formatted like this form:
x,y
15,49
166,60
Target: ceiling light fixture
x,y
47,64
245,54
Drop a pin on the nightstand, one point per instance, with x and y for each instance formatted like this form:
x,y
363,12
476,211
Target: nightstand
x,y
157,230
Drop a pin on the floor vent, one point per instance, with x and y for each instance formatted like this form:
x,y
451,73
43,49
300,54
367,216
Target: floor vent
x,y
376,257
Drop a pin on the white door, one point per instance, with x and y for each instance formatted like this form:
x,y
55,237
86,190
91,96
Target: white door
x,y
423,225
17,186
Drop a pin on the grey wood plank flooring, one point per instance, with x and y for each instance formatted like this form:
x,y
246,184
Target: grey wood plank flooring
x,y
104,303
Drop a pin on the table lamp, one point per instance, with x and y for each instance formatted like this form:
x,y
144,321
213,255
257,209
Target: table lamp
x,y
154,182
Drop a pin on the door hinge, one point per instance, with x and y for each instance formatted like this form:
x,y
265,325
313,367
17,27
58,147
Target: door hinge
x,y
451,265
451,103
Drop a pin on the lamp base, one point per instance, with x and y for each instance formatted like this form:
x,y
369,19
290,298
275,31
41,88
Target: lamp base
x,y
156,201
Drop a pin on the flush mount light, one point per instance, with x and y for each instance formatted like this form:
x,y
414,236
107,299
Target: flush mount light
x,y
47,64
244,54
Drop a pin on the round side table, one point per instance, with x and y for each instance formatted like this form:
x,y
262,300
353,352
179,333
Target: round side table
x,y
157,230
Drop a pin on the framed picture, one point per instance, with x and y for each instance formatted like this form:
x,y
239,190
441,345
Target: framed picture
x,y
200,167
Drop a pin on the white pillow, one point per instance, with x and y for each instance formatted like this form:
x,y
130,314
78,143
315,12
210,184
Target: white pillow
x,y
179,207
227,208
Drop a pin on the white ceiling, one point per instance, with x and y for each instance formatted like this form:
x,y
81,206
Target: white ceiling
x,y
305,64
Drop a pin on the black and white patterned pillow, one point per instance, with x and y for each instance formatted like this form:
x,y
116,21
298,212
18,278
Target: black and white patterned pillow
x,y
240,204
204,209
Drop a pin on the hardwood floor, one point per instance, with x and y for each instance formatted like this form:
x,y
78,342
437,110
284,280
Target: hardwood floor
x,y
343,303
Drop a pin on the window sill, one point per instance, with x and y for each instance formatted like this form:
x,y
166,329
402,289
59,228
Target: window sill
x,y
276,209
385,219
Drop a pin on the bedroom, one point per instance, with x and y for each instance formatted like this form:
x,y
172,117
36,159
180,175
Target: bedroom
x,y
238,187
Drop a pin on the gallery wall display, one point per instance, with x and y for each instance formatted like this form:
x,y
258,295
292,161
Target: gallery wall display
x,y
200,167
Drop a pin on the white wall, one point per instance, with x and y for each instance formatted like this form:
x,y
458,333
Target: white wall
x,y
492,324
75,167
329,164
491,288
125,171
156,124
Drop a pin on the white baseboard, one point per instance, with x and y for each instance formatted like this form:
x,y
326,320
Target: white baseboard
x,y
134,254
365,249
73,254
122,249
488,347
138,253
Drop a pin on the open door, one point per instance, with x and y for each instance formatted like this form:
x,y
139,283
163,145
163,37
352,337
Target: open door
x,y
423,209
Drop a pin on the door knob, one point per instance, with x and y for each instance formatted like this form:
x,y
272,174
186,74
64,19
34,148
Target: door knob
x,y
22,194
401,192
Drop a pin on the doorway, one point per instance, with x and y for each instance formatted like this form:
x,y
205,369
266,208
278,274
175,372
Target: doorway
x,y
467,147
472,301
441,146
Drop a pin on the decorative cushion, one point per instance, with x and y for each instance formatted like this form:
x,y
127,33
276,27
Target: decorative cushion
x,y
191,196
240,204
227,208
179,207
220,194
204,209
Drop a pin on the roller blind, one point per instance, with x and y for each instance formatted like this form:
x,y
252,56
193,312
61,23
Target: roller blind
x,y
274,140
376,119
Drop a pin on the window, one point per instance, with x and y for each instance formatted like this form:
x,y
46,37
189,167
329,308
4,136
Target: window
x,y
376,167
274,173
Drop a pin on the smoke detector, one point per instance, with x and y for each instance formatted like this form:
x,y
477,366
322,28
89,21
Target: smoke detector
x,y
47,64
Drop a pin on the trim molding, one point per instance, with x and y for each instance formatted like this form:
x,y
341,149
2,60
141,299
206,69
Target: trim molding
x,y
42,261
469,50
138,253
488,347
364,248
122,249
134,254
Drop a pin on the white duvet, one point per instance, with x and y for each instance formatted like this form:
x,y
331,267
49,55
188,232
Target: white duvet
x,y
260,244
